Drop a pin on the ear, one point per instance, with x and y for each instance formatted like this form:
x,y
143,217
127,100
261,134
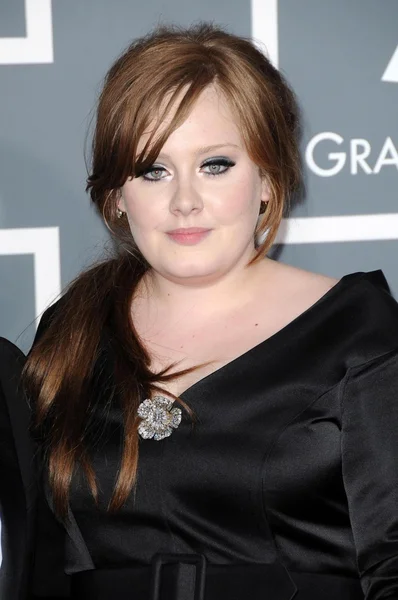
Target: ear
x,y
120,200
265,189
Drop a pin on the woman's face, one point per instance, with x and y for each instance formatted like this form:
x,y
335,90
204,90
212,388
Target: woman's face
x,y
204,178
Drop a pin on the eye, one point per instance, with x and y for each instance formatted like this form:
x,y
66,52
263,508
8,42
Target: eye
x,y
218,166
153,173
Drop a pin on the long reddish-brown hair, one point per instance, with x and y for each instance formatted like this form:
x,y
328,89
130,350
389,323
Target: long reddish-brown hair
x,y
59,371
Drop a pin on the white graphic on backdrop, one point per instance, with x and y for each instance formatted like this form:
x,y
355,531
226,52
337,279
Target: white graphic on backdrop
x,y
391,72
264,27
264,23
358,151
37,46
350,228
43,243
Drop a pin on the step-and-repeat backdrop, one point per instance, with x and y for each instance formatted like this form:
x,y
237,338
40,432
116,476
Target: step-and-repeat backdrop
x,y
341,58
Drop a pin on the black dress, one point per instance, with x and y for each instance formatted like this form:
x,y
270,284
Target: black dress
x,y
286,487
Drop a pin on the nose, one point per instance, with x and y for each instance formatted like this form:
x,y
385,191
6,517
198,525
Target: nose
x,y
186,196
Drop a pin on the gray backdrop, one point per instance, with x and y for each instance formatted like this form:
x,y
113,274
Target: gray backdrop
x,y
341,58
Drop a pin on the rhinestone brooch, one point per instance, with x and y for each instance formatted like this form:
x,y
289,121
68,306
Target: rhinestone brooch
x,y
158,418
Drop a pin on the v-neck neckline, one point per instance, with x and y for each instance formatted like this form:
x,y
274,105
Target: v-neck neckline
x,y
272,339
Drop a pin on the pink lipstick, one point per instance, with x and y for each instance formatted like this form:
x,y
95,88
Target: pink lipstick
x,y
188,236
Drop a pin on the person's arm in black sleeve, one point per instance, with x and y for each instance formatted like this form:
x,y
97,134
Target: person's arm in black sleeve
x,y
48,579
370,471
16,509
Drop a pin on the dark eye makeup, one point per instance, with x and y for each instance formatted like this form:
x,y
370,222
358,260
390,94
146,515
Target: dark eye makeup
x,y
216,166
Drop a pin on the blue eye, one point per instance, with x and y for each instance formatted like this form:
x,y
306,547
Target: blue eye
x,y
155,173
218,166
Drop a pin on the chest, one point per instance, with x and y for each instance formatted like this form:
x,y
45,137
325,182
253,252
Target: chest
x,y
265,434
208,347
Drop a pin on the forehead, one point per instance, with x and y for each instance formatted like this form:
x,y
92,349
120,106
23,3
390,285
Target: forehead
x,y
210,122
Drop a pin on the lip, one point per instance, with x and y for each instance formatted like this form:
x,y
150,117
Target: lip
x,y
188,237
187,230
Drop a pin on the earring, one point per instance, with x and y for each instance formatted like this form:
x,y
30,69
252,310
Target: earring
x,y
263,207
119,213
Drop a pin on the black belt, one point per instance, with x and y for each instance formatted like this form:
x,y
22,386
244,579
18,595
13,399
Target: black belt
x,y
190,577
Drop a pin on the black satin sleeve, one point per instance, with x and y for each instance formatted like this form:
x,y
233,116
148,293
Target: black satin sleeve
x,y
370,471
48,579
15,456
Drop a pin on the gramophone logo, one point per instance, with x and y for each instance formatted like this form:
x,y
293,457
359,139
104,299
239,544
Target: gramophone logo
x,y
391,72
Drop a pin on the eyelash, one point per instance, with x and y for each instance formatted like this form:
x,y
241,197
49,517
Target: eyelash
x,y
224,162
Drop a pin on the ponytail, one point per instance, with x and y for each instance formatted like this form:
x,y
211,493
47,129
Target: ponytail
x,y
61,369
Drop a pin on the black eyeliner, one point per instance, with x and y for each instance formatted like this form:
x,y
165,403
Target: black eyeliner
x,y
225,162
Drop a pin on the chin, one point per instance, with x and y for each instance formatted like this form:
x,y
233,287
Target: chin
x,y
189,271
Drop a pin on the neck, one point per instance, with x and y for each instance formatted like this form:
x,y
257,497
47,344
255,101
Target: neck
x,y
203,296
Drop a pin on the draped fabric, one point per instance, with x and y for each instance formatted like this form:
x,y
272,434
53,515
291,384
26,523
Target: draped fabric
x,y
292,464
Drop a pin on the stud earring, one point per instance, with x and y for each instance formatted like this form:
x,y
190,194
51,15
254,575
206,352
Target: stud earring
x,y
263,207
119,213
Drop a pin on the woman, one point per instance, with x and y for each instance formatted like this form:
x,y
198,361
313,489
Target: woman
x,y
211,423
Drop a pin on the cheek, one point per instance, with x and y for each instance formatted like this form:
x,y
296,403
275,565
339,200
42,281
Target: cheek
x,y
143,210
240,198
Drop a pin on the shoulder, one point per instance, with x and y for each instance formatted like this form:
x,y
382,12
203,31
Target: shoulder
x,y
368,288
308,285
369,291
371,315
284,275
47,318
359,312
10,353
14,409
298,288
12,360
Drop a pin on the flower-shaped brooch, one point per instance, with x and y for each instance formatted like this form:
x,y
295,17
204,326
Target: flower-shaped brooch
x,y
158,418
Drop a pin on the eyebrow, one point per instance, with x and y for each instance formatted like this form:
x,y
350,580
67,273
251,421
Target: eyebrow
x,y
205,149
